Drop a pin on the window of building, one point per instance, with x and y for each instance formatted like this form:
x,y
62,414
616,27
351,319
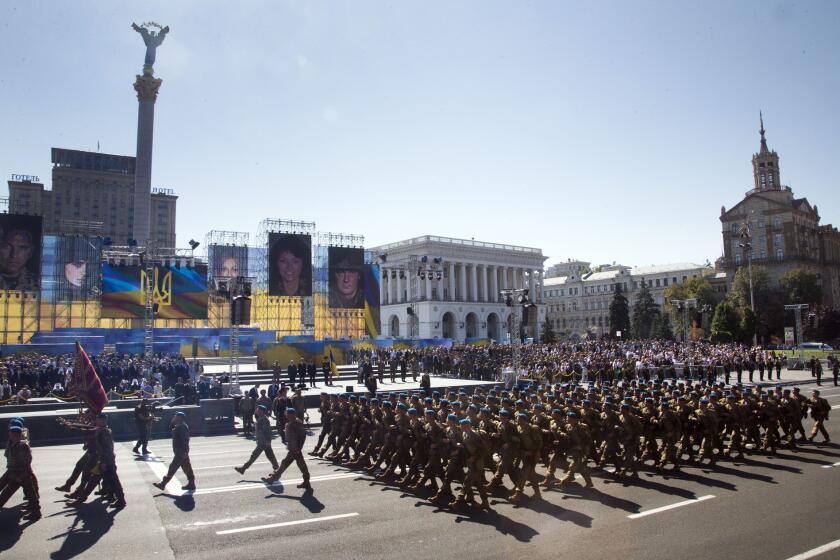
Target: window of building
x,y
777,222
778,239
780,254
650,283
657,282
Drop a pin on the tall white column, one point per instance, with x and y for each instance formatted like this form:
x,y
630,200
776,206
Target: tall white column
x,y
428,286
504,274
532,284
473,283
383,284
462,276
540,287
494,284
399,298
147,88
484,294
451,281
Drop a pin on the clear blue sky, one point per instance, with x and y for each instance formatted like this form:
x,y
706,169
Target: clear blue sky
x,y
604,131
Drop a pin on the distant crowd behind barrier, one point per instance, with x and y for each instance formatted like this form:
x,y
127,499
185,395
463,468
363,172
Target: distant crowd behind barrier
x,y
205,342
24,377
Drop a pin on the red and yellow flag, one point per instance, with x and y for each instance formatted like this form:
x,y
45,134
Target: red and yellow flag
x,y
86,383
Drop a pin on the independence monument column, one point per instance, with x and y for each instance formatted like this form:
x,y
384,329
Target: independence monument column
x,y
147,87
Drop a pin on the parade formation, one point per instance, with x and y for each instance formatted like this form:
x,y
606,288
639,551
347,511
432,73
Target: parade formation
x,y
432,439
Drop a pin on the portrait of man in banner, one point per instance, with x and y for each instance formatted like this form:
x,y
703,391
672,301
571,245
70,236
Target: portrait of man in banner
x,y
345,285
20,252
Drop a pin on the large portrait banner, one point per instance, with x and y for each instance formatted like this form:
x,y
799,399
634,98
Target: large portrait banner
x,y
289,264
20,252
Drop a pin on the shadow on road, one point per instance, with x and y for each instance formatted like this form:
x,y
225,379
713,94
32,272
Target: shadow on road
x,y
91,522
307,500
12,529
577,492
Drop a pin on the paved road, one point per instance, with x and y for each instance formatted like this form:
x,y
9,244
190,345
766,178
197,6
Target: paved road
x,y
770,507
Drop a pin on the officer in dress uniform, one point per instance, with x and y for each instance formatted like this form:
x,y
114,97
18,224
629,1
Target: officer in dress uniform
x,y
143,418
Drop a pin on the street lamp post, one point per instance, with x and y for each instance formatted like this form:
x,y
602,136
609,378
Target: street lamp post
x,y
797,309
746,247
684,305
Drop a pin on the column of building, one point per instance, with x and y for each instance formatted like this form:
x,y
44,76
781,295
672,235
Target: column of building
x,y
451,266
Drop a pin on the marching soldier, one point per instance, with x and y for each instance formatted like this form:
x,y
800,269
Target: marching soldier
x,y
295,437
263,433
19,472
104,441
819,412
181,448
475,452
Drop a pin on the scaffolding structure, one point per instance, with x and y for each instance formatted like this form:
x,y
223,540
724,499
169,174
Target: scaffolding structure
x,y
218,305
328,322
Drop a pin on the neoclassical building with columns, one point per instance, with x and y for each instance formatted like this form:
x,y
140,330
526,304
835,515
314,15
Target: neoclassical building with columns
x,y
440,287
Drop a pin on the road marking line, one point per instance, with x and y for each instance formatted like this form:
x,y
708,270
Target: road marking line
x,y
835,406
255,486
829,466
817,551
229,466
215,452
672,506
157,466
286,524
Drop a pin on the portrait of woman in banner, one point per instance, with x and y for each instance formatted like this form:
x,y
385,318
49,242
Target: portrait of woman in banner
x,y
290,265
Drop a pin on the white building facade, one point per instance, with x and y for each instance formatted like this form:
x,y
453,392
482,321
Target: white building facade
x,y
578,298
440,287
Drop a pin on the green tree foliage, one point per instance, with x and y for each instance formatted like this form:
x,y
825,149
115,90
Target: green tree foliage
x,y
769,319
801,286
619,314
645,311
547,335
693,288
725,323
661,328
748,325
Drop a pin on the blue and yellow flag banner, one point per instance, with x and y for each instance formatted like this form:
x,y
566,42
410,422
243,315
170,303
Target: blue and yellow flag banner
x,y
179,292
373,324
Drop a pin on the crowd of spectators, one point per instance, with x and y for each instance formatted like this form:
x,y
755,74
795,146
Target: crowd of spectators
x,y
590,360
27,376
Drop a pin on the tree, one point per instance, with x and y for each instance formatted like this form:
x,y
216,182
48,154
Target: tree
x,y
645,311
695,287
748,325
769,302
547,333
725,323
619,314
829,325
661,328
801,286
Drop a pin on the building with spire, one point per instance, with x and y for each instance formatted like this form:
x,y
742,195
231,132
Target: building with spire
x,y
779,231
